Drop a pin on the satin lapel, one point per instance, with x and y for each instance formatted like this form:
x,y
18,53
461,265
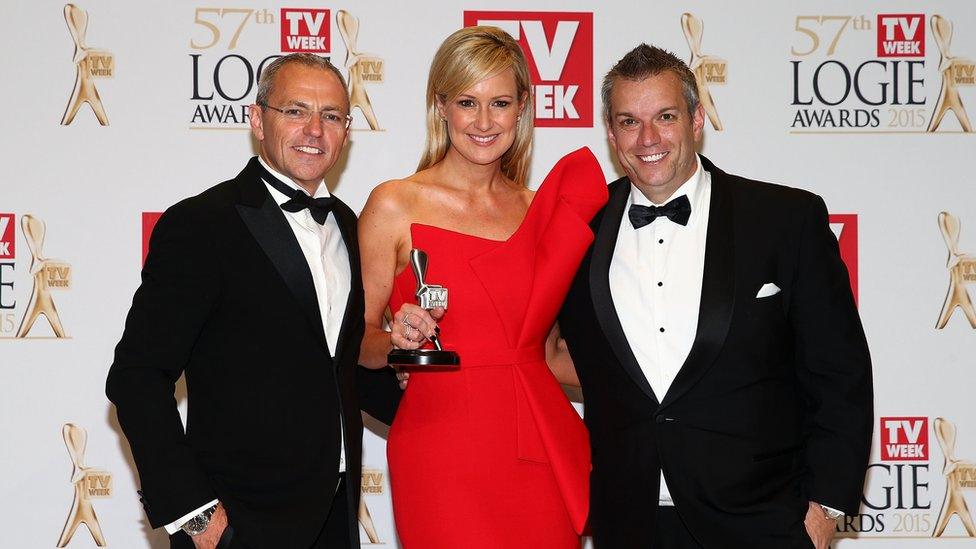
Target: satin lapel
x,y
606,312
346,220
267,224
718,284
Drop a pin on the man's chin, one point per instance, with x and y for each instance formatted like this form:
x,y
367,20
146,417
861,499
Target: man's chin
x,y
309,172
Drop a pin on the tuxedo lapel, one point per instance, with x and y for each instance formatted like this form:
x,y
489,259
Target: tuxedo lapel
x,y
346,220
267,224
718,284
606,312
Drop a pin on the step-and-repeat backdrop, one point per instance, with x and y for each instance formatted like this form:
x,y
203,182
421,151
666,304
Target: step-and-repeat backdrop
x,y
115,110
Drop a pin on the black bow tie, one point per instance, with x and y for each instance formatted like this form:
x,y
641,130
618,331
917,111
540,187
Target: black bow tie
x,y
298,200
678,210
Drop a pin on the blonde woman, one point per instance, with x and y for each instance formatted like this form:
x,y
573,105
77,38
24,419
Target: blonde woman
x,y
490,454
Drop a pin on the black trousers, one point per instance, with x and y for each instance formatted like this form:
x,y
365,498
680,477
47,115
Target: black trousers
x,y
671,532
334,535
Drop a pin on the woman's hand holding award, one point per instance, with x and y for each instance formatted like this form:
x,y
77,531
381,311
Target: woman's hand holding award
x,y
429,296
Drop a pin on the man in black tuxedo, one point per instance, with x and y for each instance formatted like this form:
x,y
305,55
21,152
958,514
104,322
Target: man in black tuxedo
x,y
252,290
726,377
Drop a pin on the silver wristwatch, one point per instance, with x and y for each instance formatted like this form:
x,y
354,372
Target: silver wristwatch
x,y
198,524
831,514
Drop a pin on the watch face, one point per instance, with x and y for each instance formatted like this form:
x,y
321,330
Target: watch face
x,y
196,525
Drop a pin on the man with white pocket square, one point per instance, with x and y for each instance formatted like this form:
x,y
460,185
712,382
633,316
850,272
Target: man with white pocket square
x,y
726,377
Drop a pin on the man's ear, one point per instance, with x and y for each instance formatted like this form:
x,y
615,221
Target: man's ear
x,y
257,127
698,122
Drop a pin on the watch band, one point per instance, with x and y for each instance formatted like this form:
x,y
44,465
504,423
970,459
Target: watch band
x,y
831,514
198,524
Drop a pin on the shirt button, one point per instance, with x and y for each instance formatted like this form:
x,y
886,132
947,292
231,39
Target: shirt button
x,y
662,329
660,241
660,284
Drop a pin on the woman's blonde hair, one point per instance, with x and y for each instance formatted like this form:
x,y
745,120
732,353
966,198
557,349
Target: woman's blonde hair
x,y
467,57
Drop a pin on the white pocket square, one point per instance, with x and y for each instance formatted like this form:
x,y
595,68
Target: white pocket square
x,y
767,290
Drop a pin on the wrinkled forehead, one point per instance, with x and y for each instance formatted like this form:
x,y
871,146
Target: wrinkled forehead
x,y
313,87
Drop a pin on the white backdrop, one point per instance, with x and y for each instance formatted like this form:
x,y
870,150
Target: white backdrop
x,y
171,133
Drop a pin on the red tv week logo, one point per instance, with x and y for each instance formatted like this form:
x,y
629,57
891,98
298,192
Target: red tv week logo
x,y
559,49
904,439
901,35
844,227
7,241
149,220
305,30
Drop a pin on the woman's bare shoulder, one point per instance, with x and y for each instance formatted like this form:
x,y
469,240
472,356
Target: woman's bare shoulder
x,y
395,196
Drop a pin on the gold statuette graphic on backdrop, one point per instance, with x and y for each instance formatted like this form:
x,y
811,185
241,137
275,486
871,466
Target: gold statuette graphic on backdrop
x,y
372,483
49,275
90,64
955,71
363,67
962,271
708,69
959,475
89,482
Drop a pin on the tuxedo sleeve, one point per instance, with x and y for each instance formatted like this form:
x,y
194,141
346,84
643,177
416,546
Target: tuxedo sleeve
x,y
179,289
833,368
379,392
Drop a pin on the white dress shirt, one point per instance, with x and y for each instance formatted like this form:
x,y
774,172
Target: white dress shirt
x,y
656,282
328,260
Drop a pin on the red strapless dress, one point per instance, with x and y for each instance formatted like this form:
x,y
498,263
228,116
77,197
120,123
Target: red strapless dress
x,y
492,455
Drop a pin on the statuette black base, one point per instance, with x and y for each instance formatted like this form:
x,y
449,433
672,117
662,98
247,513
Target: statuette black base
x,y
405,358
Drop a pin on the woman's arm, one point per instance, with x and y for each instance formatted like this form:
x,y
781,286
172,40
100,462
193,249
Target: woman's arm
x,y
558,359
384,227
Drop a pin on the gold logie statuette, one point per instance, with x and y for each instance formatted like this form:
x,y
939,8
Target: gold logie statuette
x,y
49,274
367,521
708,69
962,271
363,67
372,483
89,63
959,475
956,71
89,482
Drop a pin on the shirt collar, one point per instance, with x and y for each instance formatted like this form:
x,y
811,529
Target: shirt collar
x,y
692,188
321,192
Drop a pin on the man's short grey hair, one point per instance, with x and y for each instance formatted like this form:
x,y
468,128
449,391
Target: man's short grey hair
x,y
267,78
645,61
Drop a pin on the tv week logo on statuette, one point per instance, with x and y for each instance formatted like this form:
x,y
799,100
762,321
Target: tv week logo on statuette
x,y
559,49
962,273
45,275
708,69
90,64
363,67
371,484
868,73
